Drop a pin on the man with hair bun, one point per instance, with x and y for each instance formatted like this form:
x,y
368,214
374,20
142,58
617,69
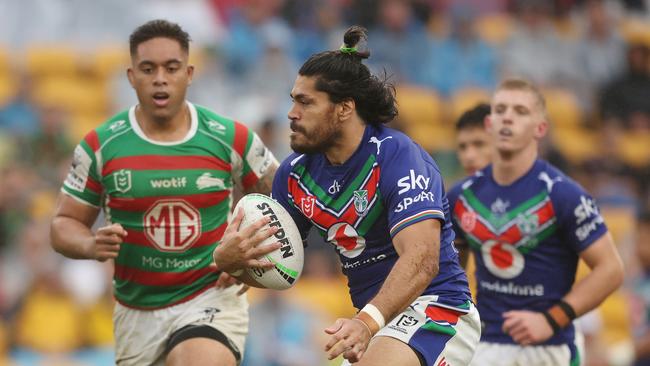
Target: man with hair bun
x,y
527,224
378,198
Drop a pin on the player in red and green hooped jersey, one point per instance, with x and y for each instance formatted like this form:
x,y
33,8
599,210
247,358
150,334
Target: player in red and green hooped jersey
x,y
528,224
378,198
164,173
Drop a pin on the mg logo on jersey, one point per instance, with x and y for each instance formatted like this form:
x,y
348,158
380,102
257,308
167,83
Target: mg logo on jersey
x,y
172,225
502,259
361,201
307,206
347,240
122,180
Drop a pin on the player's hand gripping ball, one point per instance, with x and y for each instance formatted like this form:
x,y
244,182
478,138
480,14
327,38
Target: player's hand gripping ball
x,y
289,258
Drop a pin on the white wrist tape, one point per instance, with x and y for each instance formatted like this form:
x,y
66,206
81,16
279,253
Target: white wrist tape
x,y
375,314
236,273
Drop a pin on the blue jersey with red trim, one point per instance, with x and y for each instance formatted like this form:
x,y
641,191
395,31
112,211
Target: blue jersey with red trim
x,y
388,184
526,238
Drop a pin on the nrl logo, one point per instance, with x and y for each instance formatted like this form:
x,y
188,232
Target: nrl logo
x,y
307,206
122,180
361,201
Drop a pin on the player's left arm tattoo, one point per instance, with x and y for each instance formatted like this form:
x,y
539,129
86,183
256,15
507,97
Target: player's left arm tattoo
x,y
265,184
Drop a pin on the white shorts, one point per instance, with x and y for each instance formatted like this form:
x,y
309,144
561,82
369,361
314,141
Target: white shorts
x,y
440,336
141,336
498,354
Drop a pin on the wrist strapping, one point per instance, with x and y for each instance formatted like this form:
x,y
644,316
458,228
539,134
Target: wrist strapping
x,y
236,273
560,315
375,314
549,319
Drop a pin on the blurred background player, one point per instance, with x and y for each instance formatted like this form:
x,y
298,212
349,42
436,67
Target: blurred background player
x,y
528,224
163,171
473,144
474,150
379,199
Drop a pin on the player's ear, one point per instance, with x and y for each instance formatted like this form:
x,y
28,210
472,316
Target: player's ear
x,y
487,122
345,108
190,74
541,129
130,76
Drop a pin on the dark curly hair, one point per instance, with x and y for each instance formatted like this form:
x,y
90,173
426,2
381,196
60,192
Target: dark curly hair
x,y
158,28
342,75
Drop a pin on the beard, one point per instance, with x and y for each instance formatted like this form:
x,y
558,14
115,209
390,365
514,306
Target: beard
x,y
321,138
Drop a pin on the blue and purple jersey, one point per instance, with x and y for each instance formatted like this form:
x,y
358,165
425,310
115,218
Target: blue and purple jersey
x,y
526,238
388,184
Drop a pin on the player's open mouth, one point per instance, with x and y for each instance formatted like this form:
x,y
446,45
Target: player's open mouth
x,y
161,99
505,132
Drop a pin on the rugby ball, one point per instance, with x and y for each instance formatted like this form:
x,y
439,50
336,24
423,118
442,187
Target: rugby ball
x,y
289,258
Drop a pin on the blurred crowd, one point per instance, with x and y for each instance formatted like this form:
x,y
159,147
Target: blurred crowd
x,y
62,72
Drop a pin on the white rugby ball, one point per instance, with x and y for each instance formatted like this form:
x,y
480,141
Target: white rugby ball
x,y
289,258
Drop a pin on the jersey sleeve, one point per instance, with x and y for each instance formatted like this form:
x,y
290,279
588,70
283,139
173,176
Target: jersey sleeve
x,y
453,195
579,217
256,157
83,181
281,194
411,186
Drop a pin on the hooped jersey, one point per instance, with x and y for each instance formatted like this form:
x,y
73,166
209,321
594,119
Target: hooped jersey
x,y
172,198
388,184
526,238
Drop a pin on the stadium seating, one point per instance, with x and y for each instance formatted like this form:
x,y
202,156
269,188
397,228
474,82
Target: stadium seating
x,y
494,28
465,99
633,148
421,116
48,60
563,107
576,143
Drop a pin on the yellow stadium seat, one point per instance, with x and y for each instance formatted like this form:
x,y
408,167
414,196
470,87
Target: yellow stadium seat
x,y
494,28
109,59
577,144
635,31
418,106
465,99
81,124
634,148
87,96
6,62
562,107
432,137
8,88
51,60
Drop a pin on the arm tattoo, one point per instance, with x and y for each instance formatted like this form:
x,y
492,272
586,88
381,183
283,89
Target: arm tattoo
x,y
265,183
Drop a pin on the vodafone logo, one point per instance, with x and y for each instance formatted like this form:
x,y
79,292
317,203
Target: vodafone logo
x,y
502,259
347,240
172,225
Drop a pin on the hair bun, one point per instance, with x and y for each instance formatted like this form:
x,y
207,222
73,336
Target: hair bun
x,y
351,39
